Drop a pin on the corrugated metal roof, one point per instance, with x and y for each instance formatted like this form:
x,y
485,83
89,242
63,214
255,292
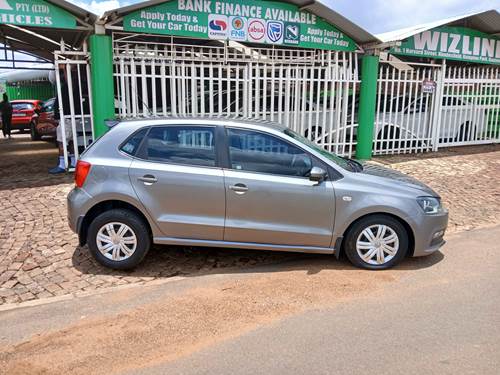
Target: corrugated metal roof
x,y
358,34
81,13
487,22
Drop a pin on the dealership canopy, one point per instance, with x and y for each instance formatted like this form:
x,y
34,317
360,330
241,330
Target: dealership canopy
x,y
296,23
473,38
36,27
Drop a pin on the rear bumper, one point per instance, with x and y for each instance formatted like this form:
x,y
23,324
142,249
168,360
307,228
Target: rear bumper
x,y
429,235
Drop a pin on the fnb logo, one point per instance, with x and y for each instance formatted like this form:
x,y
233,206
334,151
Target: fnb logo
x,y
217,25
274,32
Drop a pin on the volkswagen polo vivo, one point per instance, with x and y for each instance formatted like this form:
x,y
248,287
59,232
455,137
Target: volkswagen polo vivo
x,y
249,185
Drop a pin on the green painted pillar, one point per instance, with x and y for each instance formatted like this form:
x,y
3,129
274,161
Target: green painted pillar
x,y
367,104
103,90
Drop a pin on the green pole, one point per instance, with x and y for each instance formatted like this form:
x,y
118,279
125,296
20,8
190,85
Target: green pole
x,y
367,103
103,91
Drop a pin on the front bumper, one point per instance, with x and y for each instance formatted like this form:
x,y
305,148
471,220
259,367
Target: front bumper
x,y
429,233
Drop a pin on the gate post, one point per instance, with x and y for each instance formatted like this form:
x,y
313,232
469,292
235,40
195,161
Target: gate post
x,y
367,104
103,91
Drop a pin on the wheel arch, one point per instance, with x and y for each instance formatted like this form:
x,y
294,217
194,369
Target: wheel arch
x,y
104,206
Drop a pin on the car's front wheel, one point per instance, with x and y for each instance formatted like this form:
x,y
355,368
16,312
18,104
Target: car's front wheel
x,y
118,239
376,242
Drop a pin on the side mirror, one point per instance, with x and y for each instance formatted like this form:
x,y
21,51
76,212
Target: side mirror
x,y
317,175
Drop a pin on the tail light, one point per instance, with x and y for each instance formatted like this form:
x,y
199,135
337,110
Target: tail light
x,y
81,172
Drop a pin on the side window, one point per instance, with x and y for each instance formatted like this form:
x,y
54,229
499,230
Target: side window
x,y
258,152
192,145
132,144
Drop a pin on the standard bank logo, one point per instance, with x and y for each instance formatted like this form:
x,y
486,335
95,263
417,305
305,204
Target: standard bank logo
x,y
274,32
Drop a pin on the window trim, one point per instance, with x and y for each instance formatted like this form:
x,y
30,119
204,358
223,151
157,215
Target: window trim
x,y
314,159
139,155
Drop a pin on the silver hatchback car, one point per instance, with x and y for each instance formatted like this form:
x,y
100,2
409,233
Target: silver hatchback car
x,y
244,184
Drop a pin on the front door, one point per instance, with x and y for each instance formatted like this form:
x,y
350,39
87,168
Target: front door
x,y
177,180
269,198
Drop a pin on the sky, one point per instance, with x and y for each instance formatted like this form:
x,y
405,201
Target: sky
x,y
375,16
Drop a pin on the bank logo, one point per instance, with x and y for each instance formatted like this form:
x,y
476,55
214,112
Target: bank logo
x,y
292,33
4,5
256,31
217,26
274,32
238,28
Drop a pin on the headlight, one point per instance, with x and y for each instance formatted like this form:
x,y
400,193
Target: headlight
x,y
430,205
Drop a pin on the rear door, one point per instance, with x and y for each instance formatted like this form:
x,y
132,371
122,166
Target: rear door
x,y
269,198
177,178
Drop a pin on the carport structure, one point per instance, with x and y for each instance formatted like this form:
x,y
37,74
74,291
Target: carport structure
x,y
294,62
437,85
53,32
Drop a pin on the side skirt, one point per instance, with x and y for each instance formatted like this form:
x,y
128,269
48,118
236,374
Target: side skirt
x,y
241,245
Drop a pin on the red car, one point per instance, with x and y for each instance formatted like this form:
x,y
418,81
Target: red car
x,y
46,124
25,114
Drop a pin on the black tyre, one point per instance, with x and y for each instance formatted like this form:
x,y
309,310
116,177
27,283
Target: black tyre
x,y
34,134
118,239
467,132
376,242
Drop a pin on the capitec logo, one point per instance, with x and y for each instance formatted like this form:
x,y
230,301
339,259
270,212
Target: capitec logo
x,y
256,31
238,28
217,26
275,32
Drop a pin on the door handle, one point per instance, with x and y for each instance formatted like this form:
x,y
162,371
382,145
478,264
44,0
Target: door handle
x,y
239,188
148,179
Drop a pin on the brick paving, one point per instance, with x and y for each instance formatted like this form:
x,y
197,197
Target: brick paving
x,y
40,256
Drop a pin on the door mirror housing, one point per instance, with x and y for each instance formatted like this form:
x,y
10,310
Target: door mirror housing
x,y
317,174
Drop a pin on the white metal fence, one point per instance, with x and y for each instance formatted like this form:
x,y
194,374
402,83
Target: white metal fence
x,y
464,108
74,103
311,92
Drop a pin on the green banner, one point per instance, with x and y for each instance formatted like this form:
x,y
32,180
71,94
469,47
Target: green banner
x,y
36,13
252,21
452,43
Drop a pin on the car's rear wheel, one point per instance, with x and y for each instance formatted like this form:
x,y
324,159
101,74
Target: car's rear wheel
x,y
376,242
33,132
118,239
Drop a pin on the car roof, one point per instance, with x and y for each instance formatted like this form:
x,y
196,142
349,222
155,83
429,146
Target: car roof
x,y
212,120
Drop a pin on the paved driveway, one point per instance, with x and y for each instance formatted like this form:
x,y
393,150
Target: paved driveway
x,y
40,257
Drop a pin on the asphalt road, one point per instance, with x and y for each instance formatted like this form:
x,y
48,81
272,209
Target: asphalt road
x,y
443,319
436,315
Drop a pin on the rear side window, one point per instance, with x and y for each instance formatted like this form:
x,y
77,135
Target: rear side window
x,y
132,144
191,145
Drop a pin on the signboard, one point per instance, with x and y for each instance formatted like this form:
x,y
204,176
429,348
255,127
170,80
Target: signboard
x,y
429,86
252,21
36,13
452,43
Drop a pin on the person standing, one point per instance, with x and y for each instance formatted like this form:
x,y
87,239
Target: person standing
x,y
6,109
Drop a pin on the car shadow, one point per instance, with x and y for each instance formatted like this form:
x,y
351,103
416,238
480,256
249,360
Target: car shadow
x,y
170,261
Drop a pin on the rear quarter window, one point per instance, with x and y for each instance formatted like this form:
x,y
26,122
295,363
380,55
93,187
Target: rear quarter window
x,y
132,144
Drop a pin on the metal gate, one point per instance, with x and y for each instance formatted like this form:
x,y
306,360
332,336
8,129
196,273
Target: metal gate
x,y
470,107
312,92
463,108
76,130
